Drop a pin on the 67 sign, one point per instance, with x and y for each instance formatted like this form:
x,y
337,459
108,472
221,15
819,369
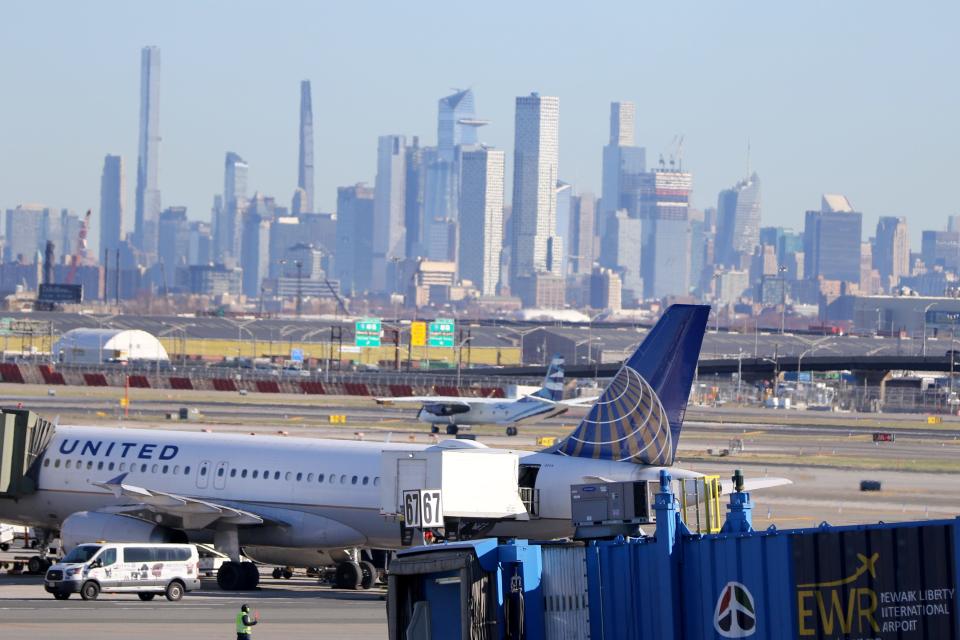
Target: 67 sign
x,y
422,508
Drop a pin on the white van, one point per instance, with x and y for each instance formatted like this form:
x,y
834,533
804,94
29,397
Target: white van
x,y
142,568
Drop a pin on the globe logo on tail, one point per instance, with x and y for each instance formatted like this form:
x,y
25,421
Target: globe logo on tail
x,y
736,613
627,424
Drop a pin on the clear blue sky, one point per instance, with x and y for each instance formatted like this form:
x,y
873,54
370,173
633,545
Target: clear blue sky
x,y
855,97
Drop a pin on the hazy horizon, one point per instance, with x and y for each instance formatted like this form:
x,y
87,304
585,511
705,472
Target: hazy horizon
x,y
858,99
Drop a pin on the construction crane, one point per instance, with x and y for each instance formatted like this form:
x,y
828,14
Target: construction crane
x,y
81,252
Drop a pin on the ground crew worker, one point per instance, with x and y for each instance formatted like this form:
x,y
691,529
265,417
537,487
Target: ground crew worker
x,y
245,623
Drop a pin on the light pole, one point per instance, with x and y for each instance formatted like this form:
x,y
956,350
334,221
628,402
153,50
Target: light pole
x,y
460,358
739,373
782,269
925,310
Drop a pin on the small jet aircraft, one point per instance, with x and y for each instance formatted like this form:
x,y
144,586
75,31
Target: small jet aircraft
x,y
456,411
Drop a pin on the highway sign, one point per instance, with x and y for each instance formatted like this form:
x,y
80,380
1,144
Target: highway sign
x,y
418,333
442,331
367,332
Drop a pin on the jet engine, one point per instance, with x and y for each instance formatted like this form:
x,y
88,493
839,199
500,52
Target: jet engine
x,y
440,409
91,526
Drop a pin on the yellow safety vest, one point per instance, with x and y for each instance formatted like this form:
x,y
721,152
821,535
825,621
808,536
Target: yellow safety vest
x,y
241,627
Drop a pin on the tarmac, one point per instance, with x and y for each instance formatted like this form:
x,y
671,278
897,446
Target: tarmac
x,y
825,455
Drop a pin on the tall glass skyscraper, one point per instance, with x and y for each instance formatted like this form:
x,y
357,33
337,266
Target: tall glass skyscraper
x,y
111,204
738,221
228,229
389,206
305,159
481,217
623,166
536,247
148,189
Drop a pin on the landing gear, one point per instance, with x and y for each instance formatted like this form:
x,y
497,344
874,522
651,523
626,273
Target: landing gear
x,y
238,576
349,575
434,428
511,431
286,573
5,546
452,429
369,577
37,565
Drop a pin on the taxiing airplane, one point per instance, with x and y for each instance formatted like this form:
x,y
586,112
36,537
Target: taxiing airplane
x,y
301,501
456,412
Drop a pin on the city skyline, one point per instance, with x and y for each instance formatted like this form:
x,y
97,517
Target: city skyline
x,y
803,144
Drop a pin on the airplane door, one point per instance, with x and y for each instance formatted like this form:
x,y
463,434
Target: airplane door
x,y
203,474
220,475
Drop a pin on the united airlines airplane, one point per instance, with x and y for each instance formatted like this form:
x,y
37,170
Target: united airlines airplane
x,y
301,501
456,412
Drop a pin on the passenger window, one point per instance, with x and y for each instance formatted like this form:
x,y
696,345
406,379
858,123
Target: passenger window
x,y
67,466
333,478
276,475
110,467
299,476
310,477
166,468
183,554
79,464
46,462
140,554
155,468
143,468
243,474
319,477
343,479
186,470
376,482
56,463
220,472
266,474
123,465
176,469
255,472
100,466
353,480
233,473
365,480
203,471
89,465
287,476
108,557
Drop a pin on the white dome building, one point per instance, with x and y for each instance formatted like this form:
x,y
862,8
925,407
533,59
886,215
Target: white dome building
x,y
95,346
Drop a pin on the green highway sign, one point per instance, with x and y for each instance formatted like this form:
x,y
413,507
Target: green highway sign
x,y
367,332
441,333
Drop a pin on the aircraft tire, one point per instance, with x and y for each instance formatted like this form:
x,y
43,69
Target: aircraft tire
x,y
277,572
35,565
229,576
434,428
249,576
349,575
452,429
369,574
511,431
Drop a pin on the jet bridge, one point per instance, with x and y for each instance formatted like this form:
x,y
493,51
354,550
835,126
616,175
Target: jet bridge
x,y
23,438
458,486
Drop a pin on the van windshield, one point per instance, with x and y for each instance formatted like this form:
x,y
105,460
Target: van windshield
x,y
81,554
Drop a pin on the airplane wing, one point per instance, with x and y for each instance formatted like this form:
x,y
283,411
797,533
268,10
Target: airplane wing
x,y
427,400
191,512
580,402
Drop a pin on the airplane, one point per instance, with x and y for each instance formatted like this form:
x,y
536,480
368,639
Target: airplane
x,y
303,501
456,412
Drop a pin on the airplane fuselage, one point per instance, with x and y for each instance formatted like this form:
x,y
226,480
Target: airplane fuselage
x,y
487,411
326,492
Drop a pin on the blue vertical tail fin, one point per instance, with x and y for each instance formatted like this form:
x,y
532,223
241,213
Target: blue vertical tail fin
x,y
640,414
552,388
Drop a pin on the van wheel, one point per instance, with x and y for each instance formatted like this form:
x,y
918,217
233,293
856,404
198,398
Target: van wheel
x,y
61,596
146,597
174,591
90,590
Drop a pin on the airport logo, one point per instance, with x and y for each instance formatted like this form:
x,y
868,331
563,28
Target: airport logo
x,y
736,613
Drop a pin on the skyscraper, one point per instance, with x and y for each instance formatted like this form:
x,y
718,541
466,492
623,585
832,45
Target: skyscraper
x,y
174,242
228,227
354,244
664,205
389,240
738,221
481,217
582,239
305,159
111,204
891,257
831,241
148,188
536,247
623,164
